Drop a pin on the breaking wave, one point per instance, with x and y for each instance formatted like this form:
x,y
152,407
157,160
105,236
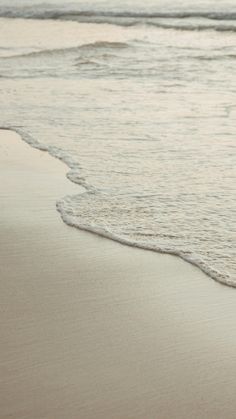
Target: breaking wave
x,y
62,51
61,13
182,20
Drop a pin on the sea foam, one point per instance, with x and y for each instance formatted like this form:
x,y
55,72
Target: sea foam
x,y
148,132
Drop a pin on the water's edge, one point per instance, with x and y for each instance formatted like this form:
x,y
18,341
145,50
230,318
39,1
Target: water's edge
x,y
57,153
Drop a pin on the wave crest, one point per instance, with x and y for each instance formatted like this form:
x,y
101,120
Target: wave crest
x,y
181,20
60,51
44,12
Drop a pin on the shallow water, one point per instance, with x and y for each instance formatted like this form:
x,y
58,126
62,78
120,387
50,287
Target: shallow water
x,y
143,114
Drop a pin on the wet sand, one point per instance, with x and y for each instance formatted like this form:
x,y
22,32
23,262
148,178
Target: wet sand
x,y
94,329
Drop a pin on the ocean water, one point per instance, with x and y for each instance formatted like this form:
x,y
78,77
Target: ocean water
x,y
139,99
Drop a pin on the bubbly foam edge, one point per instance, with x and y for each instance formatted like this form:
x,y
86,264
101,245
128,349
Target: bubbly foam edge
x,y
89,189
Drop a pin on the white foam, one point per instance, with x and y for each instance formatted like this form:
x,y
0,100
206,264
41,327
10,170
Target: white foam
x,y
150,138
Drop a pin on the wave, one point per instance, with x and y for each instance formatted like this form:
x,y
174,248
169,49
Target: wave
x,y
214,58
63,207
105,44
194,26
61,51
219,21
63,14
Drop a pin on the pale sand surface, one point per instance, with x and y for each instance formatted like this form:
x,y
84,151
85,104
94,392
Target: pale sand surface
x,y
93,329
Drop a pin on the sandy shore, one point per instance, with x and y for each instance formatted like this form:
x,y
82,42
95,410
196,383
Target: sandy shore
x,y
93,329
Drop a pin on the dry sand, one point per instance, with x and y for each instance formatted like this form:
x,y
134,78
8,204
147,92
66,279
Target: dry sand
x,y
93,329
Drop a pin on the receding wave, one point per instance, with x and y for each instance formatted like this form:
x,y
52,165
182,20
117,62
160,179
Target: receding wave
x,y
65,208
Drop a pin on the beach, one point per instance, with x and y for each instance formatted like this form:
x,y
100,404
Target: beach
x,y
91,328
143,115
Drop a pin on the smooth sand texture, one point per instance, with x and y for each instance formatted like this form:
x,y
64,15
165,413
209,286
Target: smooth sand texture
x,y
93,329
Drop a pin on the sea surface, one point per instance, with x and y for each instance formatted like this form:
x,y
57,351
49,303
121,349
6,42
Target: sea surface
x,y
139,99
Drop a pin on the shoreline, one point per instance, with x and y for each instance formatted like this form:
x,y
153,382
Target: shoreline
x,y
93,329
211,273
